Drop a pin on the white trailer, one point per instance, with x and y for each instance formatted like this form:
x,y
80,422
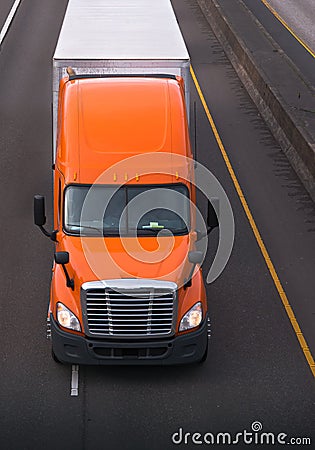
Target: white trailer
x,y
119,37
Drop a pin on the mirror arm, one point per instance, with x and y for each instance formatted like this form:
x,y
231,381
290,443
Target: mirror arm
x,y
209,229
188,282
44,231
201,235
70,281
52,235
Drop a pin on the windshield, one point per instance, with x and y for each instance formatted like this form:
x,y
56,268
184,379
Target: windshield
x,y
104,210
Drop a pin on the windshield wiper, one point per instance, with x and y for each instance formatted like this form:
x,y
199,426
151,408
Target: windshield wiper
x,y
154,230
111,231
89,227
158,230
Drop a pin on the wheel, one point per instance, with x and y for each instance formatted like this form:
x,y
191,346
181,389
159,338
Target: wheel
x,y
203,359
54,357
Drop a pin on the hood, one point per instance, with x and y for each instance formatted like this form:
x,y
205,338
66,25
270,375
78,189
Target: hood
x,y
93,258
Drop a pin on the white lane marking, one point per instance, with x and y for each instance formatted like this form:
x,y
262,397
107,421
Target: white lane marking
x,y
9,19
75,381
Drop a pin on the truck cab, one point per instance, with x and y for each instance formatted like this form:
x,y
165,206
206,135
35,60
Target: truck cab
x,y
122,139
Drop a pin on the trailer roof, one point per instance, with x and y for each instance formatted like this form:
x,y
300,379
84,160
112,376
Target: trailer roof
x,y
120,29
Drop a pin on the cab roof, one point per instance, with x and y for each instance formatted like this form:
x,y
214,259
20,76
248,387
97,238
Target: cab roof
x,y
106,120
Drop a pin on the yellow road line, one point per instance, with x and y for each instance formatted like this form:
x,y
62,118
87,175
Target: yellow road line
x,y
274,12
256,232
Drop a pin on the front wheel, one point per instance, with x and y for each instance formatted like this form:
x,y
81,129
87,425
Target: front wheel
x,y
54,357
203,359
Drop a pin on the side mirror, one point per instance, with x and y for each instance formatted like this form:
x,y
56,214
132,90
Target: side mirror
x,y
40,218
212,218
39,210
61,257
195,257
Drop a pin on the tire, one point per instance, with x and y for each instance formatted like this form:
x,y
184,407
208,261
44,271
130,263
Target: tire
x,y
203,359
54,357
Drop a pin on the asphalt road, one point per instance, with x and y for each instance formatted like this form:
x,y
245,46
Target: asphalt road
x,y
300,57
5,8
300,16
255,371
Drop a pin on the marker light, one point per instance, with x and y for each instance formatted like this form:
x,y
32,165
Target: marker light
x,y
66,318
192,318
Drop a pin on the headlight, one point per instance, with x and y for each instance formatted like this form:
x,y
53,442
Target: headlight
x,y
66,318
192,318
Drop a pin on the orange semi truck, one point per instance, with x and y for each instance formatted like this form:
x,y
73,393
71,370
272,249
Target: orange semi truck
x,y
127,286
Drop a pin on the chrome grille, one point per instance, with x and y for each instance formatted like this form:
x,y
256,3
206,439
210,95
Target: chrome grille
x,y
136,312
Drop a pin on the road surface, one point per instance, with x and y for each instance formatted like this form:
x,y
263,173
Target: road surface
x,y
255,370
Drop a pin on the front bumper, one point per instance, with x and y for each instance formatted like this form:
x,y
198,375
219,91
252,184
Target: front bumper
x,y
74,349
